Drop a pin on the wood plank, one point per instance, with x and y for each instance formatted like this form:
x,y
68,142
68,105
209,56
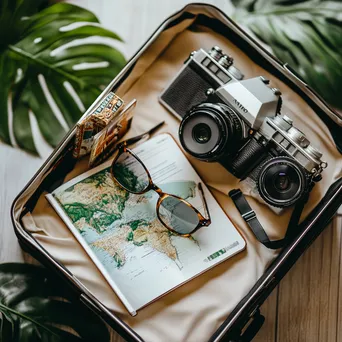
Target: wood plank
x,y
307,295
269,309
329,284
16,168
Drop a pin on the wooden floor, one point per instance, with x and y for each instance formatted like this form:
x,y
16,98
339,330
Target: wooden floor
x,y
306,307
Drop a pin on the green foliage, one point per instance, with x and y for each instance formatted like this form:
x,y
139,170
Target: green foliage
x,y
44,63
35,307
306,34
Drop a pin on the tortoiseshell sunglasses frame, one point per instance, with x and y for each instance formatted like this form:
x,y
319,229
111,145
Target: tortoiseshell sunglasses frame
x,y
123,148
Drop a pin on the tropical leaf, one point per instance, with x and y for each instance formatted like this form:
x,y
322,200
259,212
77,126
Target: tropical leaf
x,y
53,64
35,307
306,34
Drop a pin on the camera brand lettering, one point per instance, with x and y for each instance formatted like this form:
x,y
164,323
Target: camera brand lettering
x,y
240,106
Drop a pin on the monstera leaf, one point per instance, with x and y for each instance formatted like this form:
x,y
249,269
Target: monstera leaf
x,y
53,64
306,34
30,309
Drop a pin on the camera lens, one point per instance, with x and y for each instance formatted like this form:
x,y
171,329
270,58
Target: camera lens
x,y
210,130
201,133
281,182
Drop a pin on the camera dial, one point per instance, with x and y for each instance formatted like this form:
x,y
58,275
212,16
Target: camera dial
x,y
299,137
313,152
281,182
236,72
226,61
283,122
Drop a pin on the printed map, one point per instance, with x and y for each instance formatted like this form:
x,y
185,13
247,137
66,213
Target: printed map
x,y
113,221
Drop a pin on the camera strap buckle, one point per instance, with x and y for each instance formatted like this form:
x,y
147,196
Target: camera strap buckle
x,y
249,215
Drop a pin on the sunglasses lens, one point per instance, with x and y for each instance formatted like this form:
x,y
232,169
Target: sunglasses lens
x,y
178,216
130,173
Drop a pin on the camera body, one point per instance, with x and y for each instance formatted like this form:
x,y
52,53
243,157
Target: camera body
x,y
238,122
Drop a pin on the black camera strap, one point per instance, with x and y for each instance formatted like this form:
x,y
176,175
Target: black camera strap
x,y
249,215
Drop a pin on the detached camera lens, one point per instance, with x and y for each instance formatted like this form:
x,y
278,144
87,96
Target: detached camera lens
x,y
201,133
281,182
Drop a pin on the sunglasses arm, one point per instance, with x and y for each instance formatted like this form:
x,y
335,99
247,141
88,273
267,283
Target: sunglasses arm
x,y
205,205
133,140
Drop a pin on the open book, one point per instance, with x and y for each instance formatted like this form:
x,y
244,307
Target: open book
x,y
137,255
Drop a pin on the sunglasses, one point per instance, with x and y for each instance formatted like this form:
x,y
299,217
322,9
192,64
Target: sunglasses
x,y
176,214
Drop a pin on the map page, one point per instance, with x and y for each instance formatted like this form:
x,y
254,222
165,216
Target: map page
x,y
138,256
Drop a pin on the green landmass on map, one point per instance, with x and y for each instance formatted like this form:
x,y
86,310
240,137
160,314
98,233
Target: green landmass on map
x,y
97,202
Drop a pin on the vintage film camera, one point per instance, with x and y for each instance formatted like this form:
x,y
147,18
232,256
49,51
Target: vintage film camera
x,y
238,123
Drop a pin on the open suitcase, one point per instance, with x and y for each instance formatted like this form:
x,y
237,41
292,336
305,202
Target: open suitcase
x,y
223,303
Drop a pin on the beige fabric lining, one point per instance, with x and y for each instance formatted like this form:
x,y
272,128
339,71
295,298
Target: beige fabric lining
x,y
194,311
